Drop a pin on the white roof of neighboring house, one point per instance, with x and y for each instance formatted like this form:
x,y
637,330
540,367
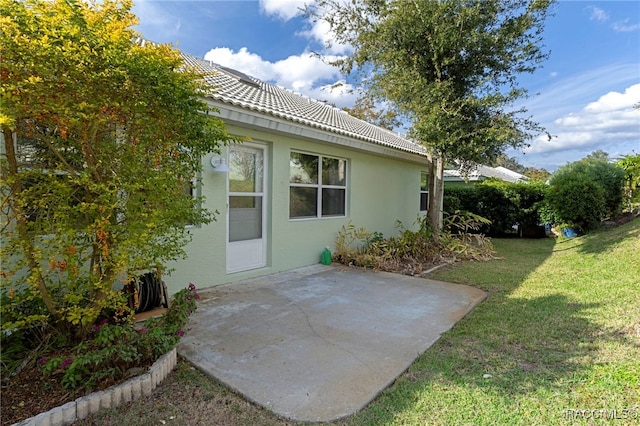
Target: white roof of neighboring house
x,y
235,88
482,172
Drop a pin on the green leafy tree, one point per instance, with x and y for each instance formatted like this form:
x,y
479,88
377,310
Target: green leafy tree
x,y
449,66
597,155
631,166
536,174
101,136
507,162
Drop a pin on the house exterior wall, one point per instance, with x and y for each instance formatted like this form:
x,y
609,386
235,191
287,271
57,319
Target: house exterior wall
x,y
380,191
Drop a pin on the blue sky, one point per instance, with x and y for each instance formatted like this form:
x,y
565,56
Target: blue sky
x,y
585,90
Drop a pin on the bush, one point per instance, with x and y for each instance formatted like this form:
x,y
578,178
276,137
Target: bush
x,y
114,349
410,251
507,205
583,193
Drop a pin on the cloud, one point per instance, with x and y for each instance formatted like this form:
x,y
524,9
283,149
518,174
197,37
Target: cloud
x,y
600,15
283,9
156,19
609,123
625,27
574,91
321,33
615,101
305,73
597,14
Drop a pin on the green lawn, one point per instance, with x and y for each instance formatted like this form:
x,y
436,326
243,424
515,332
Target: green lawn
x,y
559,331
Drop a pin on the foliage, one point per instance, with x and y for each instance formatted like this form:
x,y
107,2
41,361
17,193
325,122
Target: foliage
x,y
450,67
114,349
507,205
536,174
351,242
583,193
597,155
507,162
410,251
462,239
101,137
631,166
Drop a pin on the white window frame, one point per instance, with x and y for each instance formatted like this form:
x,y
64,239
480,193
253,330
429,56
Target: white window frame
x,y
425,191
320,186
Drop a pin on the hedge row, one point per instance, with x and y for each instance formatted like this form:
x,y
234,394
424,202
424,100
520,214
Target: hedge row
x,y
509,206
579,195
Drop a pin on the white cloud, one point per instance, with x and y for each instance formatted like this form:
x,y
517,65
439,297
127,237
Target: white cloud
x,y
320,32
610,123
625,27
156,19
242,60
615,101
597,14
305,73
283,9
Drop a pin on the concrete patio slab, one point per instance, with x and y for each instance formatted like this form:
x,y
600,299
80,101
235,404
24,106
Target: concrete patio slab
x,y
319,343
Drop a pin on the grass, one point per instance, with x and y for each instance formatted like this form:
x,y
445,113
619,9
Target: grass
x,y
559,331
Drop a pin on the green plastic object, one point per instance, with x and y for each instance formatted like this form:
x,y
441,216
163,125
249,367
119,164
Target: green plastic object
x,y
326,256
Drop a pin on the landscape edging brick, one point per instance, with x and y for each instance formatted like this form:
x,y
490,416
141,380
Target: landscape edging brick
x,y
128,391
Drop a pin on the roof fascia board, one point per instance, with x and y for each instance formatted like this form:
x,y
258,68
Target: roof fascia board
x,y
243,117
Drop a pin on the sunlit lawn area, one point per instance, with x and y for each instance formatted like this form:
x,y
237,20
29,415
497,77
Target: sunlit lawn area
x,y
559,331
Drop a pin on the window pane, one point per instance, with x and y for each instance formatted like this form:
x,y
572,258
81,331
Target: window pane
x,y
424,201
333,171
303,168
245,218
246,169
333,202
424,181
303,202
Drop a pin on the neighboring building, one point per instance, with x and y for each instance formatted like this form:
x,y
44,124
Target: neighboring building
x,y
480,173
308,170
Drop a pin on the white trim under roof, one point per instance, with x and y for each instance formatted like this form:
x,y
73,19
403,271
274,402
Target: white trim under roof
x,y
243,117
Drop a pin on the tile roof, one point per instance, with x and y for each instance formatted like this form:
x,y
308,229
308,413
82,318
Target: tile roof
x,y
235,88
481,171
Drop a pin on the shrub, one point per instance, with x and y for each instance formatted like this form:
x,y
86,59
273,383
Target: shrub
x,y
114,349
576,202
584,193
410,251
505,204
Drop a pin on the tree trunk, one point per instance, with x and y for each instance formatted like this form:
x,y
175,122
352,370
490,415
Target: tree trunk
x,y
436,192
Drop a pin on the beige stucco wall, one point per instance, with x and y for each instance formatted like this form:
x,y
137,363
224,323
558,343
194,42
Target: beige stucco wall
x,y
380,191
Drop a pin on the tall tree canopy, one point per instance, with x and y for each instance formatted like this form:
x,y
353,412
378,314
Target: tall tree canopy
x,y
101,140
449,66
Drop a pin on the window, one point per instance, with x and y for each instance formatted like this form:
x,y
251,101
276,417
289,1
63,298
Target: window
x,y
317,186
424,191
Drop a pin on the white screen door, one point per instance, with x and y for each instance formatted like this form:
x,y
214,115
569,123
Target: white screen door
x,y
246,243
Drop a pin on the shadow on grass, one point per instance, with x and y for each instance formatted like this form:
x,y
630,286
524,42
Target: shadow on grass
x,y
537,345
602,240
511,350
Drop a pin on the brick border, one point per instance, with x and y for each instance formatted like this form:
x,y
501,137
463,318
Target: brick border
x,y
130,390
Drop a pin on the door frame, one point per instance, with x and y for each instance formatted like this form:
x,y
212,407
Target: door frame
x,y
236,247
